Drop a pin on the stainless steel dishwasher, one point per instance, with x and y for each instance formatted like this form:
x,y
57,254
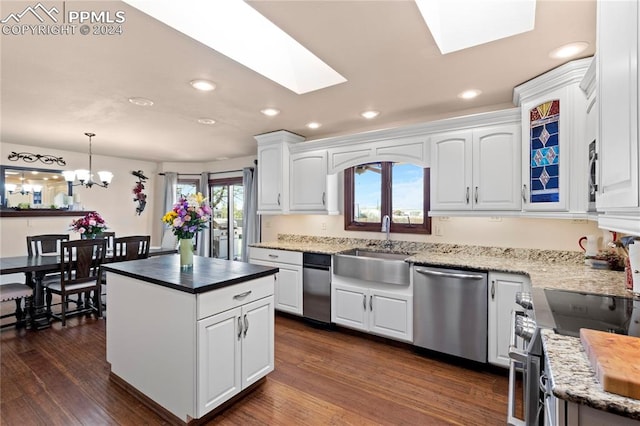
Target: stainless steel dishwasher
x,y
316,287
450,312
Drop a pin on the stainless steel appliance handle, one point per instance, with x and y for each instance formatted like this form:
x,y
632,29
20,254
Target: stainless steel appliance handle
x,y
450,274
514,353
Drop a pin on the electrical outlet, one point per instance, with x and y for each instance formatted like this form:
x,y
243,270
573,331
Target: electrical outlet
x,y
444,218
438,230
267,224
323,226
495,219
578,221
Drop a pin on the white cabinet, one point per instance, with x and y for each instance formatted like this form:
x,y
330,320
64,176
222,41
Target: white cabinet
x,y
555,155
273,171
372,307
476,169
194,358
311,189
502,297
565,413
288,284
618,78
235,350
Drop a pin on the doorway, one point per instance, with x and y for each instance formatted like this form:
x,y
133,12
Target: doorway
x,y
227,197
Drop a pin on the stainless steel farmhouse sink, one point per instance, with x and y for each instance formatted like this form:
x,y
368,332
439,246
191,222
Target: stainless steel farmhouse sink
x,y
369,265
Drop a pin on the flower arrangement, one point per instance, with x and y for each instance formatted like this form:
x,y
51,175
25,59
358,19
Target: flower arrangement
x,y
90,225
188,216
138,195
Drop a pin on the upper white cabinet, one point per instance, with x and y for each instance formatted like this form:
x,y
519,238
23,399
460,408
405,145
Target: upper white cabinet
x,y
476,169
555,149
618,85
311,189
290,182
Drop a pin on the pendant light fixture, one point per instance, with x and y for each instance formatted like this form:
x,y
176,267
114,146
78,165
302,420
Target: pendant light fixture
x,y
85,177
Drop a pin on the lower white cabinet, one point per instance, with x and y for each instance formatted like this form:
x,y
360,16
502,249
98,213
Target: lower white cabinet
x,y
559,412
235,349
288,285
502,301
376,308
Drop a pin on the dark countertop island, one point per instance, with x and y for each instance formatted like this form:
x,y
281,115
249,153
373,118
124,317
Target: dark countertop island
x,y
206,274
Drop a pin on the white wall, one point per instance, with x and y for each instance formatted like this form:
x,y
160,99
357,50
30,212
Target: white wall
x,y
114,203
555,234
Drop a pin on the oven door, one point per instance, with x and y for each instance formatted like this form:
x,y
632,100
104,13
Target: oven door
x,y
529,360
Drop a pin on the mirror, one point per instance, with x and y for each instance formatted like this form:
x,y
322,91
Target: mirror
x,y
30,188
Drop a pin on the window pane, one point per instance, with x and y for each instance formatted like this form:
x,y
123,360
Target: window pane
x,y
186,188
407,193
238,199
367,192
220,231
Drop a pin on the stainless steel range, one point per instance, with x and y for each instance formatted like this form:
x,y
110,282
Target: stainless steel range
x,y
566,312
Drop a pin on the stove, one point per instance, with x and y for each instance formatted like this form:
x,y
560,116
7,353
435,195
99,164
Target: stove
x,y
566,312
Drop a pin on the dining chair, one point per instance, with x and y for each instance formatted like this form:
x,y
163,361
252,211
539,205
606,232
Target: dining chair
x,y
45,244
131,247
18,292
110,236
80,272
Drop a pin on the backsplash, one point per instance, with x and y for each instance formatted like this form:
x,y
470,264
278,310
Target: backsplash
x,y
443,248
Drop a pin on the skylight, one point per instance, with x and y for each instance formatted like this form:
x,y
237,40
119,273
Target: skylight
x,y
459,24
238,31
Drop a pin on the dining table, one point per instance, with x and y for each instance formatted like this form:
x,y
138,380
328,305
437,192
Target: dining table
x,y
36,268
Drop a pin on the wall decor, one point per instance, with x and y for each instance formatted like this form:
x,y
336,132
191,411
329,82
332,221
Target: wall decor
x,y
28,157
138,193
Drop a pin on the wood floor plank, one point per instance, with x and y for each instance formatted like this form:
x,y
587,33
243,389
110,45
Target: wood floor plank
x,y
60,376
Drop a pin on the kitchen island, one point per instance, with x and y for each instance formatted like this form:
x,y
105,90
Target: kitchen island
x,y
187,341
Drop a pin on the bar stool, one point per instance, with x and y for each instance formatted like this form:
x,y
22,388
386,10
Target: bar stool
x,y
17,292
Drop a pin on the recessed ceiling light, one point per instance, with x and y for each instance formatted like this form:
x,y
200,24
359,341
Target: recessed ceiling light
x,y
370,114
203,85
240,32
271,112
469,94
568,50
313,125
206,121
141,101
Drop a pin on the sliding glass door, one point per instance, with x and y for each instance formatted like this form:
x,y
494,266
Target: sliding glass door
x,y
227,196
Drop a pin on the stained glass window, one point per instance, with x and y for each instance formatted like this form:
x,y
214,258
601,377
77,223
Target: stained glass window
x,y
545,153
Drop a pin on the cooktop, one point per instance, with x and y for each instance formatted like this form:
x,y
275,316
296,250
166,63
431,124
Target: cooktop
x,y
569,311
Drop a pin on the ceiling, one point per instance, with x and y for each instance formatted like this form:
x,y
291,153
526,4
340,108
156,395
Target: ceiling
x,y
56,87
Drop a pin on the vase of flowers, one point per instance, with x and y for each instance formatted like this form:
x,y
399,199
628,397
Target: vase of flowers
x,y
89,226
187,217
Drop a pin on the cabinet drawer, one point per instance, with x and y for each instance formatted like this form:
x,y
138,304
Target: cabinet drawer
x,y
279,256
226,298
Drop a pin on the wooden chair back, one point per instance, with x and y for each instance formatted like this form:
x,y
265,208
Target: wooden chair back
x,y
81,261
110,236
38,245
131,248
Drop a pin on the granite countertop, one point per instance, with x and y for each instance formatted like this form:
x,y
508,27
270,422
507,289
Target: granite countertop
x,y
546,268
573,378
206,274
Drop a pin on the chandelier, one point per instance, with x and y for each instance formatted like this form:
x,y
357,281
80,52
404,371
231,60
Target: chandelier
x,y
25,188
85,177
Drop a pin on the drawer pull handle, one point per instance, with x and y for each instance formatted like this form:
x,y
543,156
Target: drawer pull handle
x,y
246,325
371,303
239,327
364,301
273,256
242,295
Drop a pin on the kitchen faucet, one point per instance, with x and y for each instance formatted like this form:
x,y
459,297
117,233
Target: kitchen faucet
x,y
386,227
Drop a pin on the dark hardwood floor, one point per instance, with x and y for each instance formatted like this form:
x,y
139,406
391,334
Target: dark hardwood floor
x,y
61,377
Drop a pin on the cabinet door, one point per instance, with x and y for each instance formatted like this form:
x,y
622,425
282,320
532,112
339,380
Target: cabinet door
x,y
308,183
349,306
502,297
270,169
288,286
257,340
451,171
496,168
618,102
219,358
391,315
